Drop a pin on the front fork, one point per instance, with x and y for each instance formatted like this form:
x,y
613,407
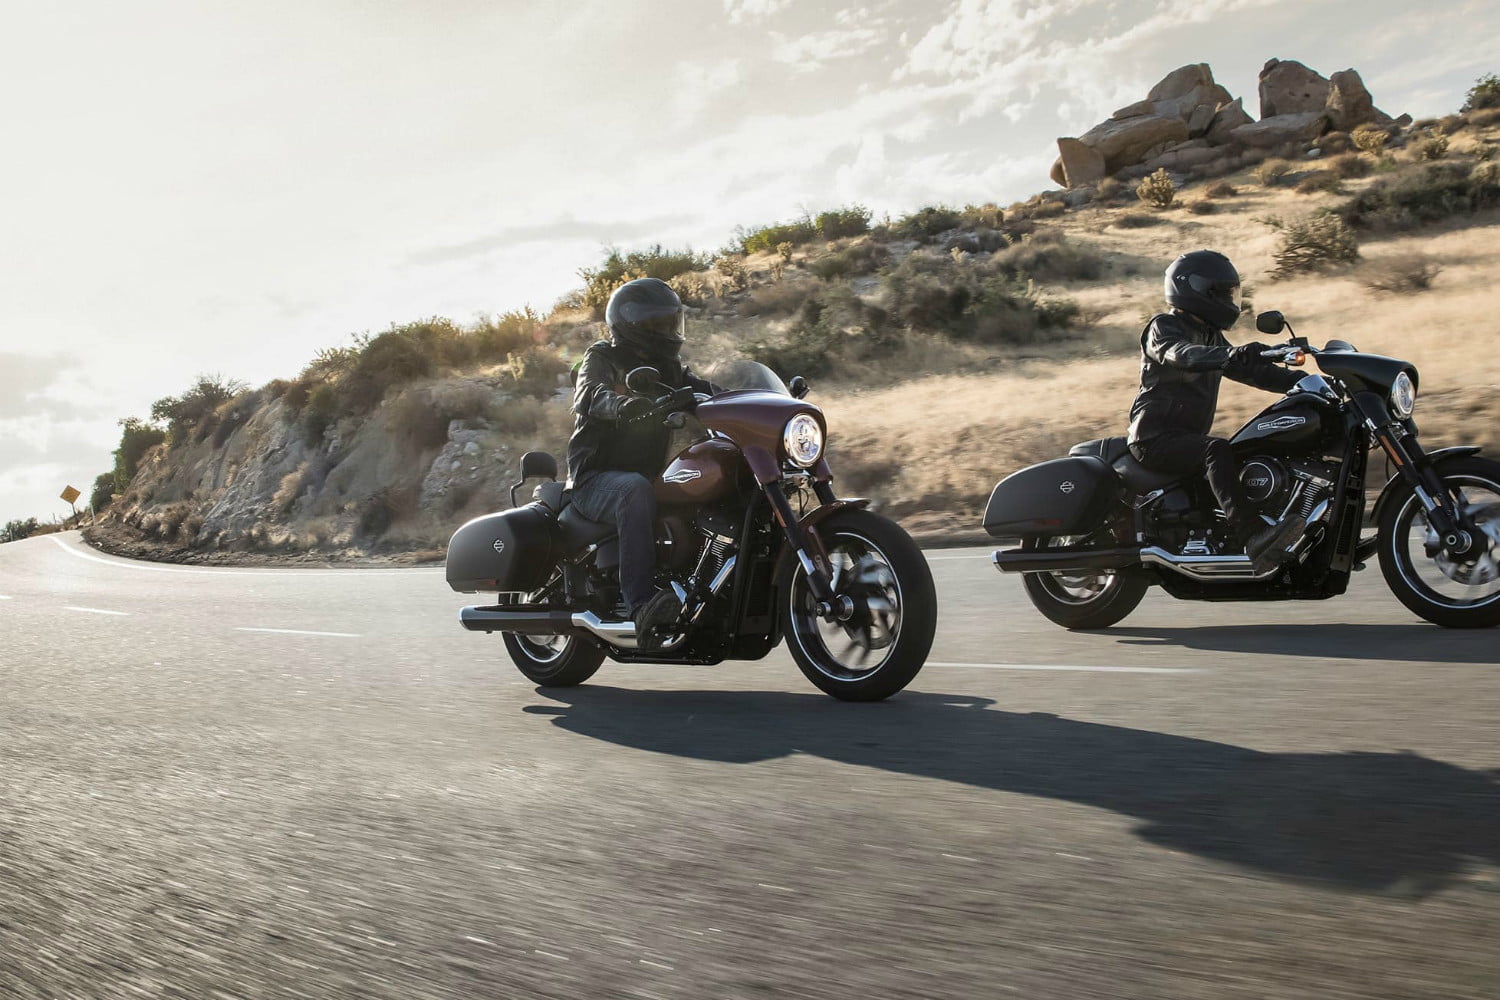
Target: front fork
x,y
802,536
1456,535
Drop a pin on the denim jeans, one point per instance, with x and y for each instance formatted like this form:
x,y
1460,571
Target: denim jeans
x,y
626,500
1183,454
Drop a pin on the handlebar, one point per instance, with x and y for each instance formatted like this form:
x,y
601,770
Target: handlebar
x,y
1288,354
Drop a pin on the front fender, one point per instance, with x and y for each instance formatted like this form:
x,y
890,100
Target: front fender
x,y
1436,458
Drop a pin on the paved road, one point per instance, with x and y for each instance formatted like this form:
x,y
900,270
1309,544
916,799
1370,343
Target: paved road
x,y
193,804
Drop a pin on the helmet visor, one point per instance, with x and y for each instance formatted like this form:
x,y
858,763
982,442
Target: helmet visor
x,y
1219,291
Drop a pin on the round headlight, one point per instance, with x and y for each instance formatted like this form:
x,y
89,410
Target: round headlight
x,y
1403,395
803,440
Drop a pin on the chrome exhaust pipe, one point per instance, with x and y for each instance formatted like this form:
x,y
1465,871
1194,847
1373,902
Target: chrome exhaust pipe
x,y
535,621
1063,560
1205,567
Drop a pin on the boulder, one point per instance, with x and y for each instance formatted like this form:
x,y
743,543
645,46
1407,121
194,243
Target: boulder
x,y
1289,88
1349,102
1180,81
1185,157
1227,118
1200,119
1135,110
1278,130
1081,164
1127,141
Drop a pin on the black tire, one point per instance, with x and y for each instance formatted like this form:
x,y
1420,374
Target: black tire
x,y
878,562
1082,601
1427,585
566,661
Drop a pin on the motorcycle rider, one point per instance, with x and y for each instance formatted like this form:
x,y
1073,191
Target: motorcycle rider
x,y
1184,354
615,451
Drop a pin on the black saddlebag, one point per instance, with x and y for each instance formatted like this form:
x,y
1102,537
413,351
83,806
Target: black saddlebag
x,y
1067,496
508,552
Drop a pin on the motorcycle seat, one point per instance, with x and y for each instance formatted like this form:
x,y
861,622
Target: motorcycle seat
x,y
1139,478
578,532
1110,449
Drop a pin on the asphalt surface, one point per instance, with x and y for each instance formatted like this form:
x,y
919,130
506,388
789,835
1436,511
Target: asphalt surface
x,y
1218,801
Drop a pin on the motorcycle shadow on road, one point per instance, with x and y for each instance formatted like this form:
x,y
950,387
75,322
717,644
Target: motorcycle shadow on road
x,y
1386,823
1413,642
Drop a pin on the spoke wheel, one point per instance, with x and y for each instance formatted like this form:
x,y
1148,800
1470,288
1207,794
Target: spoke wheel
x,y
1455,592
1081,599
881,574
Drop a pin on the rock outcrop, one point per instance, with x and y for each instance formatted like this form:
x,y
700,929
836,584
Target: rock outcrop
x,y
1188,121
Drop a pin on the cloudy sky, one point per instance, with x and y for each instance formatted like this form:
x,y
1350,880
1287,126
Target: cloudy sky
x,y
228,187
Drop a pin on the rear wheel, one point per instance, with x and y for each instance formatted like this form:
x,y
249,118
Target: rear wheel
x,y
882,647
554,660
1081,599
1455,593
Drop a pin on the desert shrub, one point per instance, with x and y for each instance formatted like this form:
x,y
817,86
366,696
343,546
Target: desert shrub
x,y
375,514
1320,182
1156,189
732,268
274,389
778,299
1412,199
1484,94
834,326
233,415
1334,143
694,287
331,362
1048,208
619,267
858,258
986,216
498,338
839,223
1349,166
295,397
320,412
1136,220
136,438
420,422
1370,139
1223,189
536,371
1410,272
764,238
1432,147
1049,256
784,251
1271,172
1202,207
193,413
1319,242
985,304
18,529
1109,189
389,360
925,223
519,416
1485,118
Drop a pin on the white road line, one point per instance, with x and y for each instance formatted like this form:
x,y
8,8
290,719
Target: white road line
x,y
94,611
214,571
298,631
1069,666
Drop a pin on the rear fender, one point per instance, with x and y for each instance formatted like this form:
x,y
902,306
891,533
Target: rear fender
x,y
1436,458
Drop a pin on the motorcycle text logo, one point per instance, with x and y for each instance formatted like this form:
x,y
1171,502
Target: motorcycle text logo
x,y
682,476
1280,423
1066,486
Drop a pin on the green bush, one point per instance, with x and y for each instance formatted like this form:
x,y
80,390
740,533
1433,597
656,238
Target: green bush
x,y
536,371
319,413
926,223
1433,147
509,332
1049,256
1319,242
1370,139
852,220
193,414
1349,166
18,529
1321,182
136,438
839,223
104,490
858,258
1484,94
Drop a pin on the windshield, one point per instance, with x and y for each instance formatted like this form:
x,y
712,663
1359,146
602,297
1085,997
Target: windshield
x,y
744,374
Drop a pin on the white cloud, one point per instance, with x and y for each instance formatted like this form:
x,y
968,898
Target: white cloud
x,y
807,52
698,84
741,11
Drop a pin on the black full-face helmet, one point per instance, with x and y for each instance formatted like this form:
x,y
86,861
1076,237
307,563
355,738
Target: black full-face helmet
x,y
646,316
1205,284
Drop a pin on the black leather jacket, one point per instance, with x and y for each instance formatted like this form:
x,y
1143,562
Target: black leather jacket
x,y
601,440
1182,361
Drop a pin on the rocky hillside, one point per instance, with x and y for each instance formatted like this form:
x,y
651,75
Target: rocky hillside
x,y
948,346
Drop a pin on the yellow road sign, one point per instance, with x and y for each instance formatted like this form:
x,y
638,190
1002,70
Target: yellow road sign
x,y
69,494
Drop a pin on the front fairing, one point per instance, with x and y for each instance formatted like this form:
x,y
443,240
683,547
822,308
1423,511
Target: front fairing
x,y
755,419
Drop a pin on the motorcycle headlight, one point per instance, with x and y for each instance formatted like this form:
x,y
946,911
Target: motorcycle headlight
x,y
1403,396
803,440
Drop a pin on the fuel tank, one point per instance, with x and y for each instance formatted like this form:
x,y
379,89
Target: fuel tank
x,y
702,473
1293,424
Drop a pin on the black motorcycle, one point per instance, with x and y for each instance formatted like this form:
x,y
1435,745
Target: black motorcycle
x,y
751,536
1097,528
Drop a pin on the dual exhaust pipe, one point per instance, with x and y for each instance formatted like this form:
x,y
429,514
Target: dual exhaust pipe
x,y
538,621
1197,567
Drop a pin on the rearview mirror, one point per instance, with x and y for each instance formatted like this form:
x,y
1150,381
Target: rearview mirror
x,y
643,380
798,387
1270,322
538,464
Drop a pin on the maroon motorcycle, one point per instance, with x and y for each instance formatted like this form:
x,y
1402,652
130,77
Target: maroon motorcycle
x,y
751,536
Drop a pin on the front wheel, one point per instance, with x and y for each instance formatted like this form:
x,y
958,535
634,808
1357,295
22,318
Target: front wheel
x,y
554,660
1455,593
877,652
1081,599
